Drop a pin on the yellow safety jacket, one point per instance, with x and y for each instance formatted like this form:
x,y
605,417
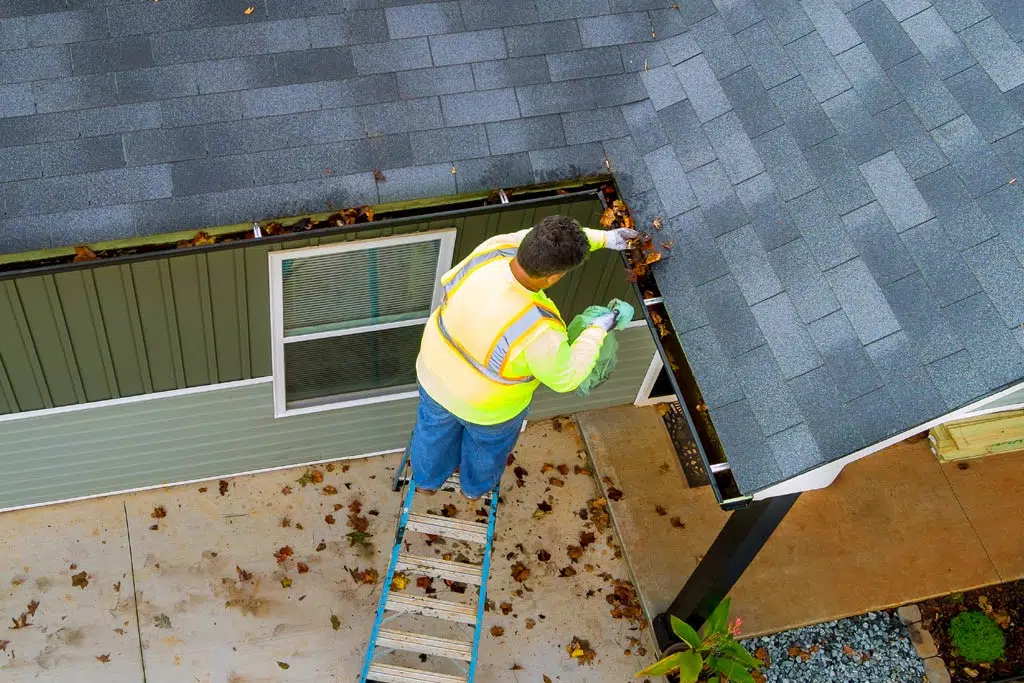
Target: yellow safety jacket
x,y
492,342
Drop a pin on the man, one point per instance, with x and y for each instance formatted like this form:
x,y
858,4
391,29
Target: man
x,y
493,340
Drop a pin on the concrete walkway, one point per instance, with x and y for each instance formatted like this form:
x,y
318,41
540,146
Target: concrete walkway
x,y
896,527
155,586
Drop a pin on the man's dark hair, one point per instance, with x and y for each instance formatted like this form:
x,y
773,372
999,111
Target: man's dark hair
x,y
555,245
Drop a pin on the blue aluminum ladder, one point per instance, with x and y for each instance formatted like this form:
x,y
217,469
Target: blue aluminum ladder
x,y
463,654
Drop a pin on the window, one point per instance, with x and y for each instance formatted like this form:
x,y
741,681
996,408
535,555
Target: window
x,y
346,319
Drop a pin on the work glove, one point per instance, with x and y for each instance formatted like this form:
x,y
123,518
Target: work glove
x,y
618,239
606,321
623,313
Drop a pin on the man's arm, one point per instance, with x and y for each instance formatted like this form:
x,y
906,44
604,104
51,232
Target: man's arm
x,y
560,365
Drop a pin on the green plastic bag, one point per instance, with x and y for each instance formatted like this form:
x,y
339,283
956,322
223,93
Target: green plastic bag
x,y
609,349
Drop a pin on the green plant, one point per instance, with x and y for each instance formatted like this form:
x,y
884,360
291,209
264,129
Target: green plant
x,y
976,637
711,655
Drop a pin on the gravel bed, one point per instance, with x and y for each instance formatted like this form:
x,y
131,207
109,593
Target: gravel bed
x,y
870,648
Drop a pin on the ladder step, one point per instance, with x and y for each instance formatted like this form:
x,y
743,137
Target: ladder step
x,y
388,673
448,527
428,645
431,607
440,569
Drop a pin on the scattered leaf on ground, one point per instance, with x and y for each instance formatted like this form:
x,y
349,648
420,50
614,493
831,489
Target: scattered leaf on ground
x,y
286,582
367,576
83,253
248,10
329,519
284,665
543,555
515,667
614,494
242,574
222,487
358,538
579,650
505,607
330,490
335,622
530,623
547,679
580,469
555,481
497,631
287,490
202,489
117,587
283,553
426,583
285,522
546,467
159,512
586,538
162,621
566,572
660,510
3,645
574,552
80,580
302,567
563,469
399,581
677,523
520,471
154,527
626,603
21,622
598,512
357,523
449,510
519,572
104,659
32,607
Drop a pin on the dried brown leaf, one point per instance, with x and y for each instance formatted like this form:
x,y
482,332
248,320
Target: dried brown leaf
x,y
222,486
302,567
335,622
283,554
83,253
519,572
80,580
497,631
378,176
159,512
104,659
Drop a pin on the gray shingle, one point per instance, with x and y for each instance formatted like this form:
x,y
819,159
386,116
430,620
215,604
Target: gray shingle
x,y
786,335
448,144
988,109
229,41
749,264
285,99
240,73
13,33
711,367
662,86
1009,15
594,125
585,93
351,28
738,14
925,93
735,328
882,33
489,173
352,92
914,147
539,39
82,155
823,409
480,107
683,129
875,416
442,80
290,199
46,195
24,130
188,111
645,125
403,116
926,325
133,18
896,191
598,61
93,225
938,43
1005,209
126,185
769,217
802,279
787,18
833,26
1011,150
211,175
766,54
722,208
911,389
868,79
944,269
863,301
415,181
844,356
34,64
615,29
751,103
795,450
766,390
670,181
666,22
839,175
677,287
861,135
1001,274
521,135
409,21
310,66
553,10
631,174
745,447
996,52
733,147
817,65
508,73
804,116
116,54
67,27
695,252
702,87
146,147
960,14
397,55
902,9
959,379
16,99
563,163
817,220
293,130
640,56
718,45
680,48
156,83
461,48
962,219
784,163
973,158
19,163
878,244
480,14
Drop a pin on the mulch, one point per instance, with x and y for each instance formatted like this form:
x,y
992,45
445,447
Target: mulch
x,y
1000,601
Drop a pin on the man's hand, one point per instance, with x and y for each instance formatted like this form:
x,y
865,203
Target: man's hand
x,y
607,321
618,238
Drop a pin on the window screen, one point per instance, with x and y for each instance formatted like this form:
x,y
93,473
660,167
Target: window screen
x,y
348,319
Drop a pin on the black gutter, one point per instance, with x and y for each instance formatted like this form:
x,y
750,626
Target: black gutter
x,y
475,207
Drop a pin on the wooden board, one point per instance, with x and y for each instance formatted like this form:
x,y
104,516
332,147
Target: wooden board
x,y
978,436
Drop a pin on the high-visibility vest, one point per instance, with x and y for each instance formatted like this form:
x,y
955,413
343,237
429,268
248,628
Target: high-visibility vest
x,y
484,317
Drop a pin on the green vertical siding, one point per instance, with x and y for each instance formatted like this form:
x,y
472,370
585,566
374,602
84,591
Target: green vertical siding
x,y
189,320
225,431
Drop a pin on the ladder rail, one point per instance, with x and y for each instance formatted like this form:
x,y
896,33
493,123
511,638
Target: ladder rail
x,y
485,571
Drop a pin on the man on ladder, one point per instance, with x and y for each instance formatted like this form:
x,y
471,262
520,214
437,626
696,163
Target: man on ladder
x,y
493,340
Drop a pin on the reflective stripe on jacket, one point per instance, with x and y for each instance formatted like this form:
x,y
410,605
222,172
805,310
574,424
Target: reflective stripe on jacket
x,y
492,341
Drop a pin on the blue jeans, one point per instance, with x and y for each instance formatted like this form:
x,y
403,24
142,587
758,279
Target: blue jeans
x,y
441,442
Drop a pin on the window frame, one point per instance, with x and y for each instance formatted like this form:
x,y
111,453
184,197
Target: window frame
x,y
446,251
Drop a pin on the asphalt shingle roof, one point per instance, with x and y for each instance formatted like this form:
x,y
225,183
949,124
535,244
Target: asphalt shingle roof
x,y
836,174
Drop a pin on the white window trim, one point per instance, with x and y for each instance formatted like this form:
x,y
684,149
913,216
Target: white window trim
x,y
643,396
446,251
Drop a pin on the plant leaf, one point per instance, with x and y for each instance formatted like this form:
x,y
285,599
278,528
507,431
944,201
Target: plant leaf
x,y
716,623
685,632
690,664
731,669
663,666
736,651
